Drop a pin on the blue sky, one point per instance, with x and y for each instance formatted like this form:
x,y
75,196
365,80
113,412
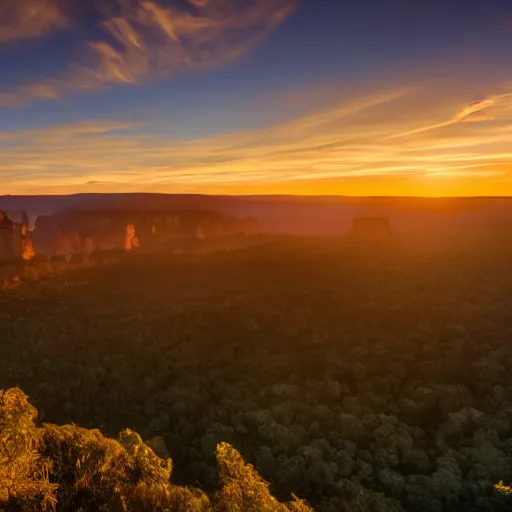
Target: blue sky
x,y
229,96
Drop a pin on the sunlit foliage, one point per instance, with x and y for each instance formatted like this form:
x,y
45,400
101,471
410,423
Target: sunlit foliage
x,y
72,468
24,480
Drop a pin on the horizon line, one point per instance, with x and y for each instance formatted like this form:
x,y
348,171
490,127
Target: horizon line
x,y
302,196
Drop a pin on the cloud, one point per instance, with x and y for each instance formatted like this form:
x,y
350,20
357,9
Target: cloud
x,y
10,100
351,142
29,19
61,133
144,39
467,114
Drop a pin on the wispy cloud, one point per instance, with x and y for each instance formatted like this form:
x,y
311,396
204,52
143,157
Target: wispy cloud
x,y
29,19
359,139
61,133
10,99
144,39
467,113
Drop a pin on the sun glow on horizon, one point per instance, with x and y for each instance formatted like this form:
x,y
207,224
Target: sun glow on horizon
x,y
384,143
429,125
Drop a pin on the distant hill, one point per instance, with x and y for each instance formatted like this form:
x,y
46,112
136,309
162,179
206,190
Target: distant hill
x,y
317,215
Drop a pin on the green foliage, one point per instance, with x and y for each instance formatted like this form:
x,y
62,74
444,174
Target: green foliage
x,y
324,362
104,473
244,490
357,499
24,480
72,468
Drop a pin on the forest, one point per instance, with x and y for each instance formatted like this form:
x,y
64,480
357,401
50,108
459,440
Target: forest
x,y
350,376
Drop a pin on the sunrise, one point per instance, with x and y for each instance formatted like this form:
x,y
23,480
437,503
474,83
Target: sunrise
x,y
276,96
255,255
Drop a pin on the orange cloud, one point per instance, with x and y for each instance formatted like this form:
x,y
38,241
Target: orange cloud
x,y
466,114
153,40
29,19
357,141
60,133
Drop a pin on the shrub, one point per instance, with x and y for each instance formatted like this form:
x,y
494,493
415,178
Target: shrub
x,y
72,468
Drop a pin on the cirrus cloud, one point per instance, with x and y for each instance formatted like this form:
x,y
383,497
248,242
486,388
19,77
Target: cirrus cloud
x,y
144,39
358,138
30,19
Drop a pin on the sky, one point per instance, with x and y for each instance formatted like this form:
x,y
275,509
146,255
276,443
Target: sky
x,y
310,97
